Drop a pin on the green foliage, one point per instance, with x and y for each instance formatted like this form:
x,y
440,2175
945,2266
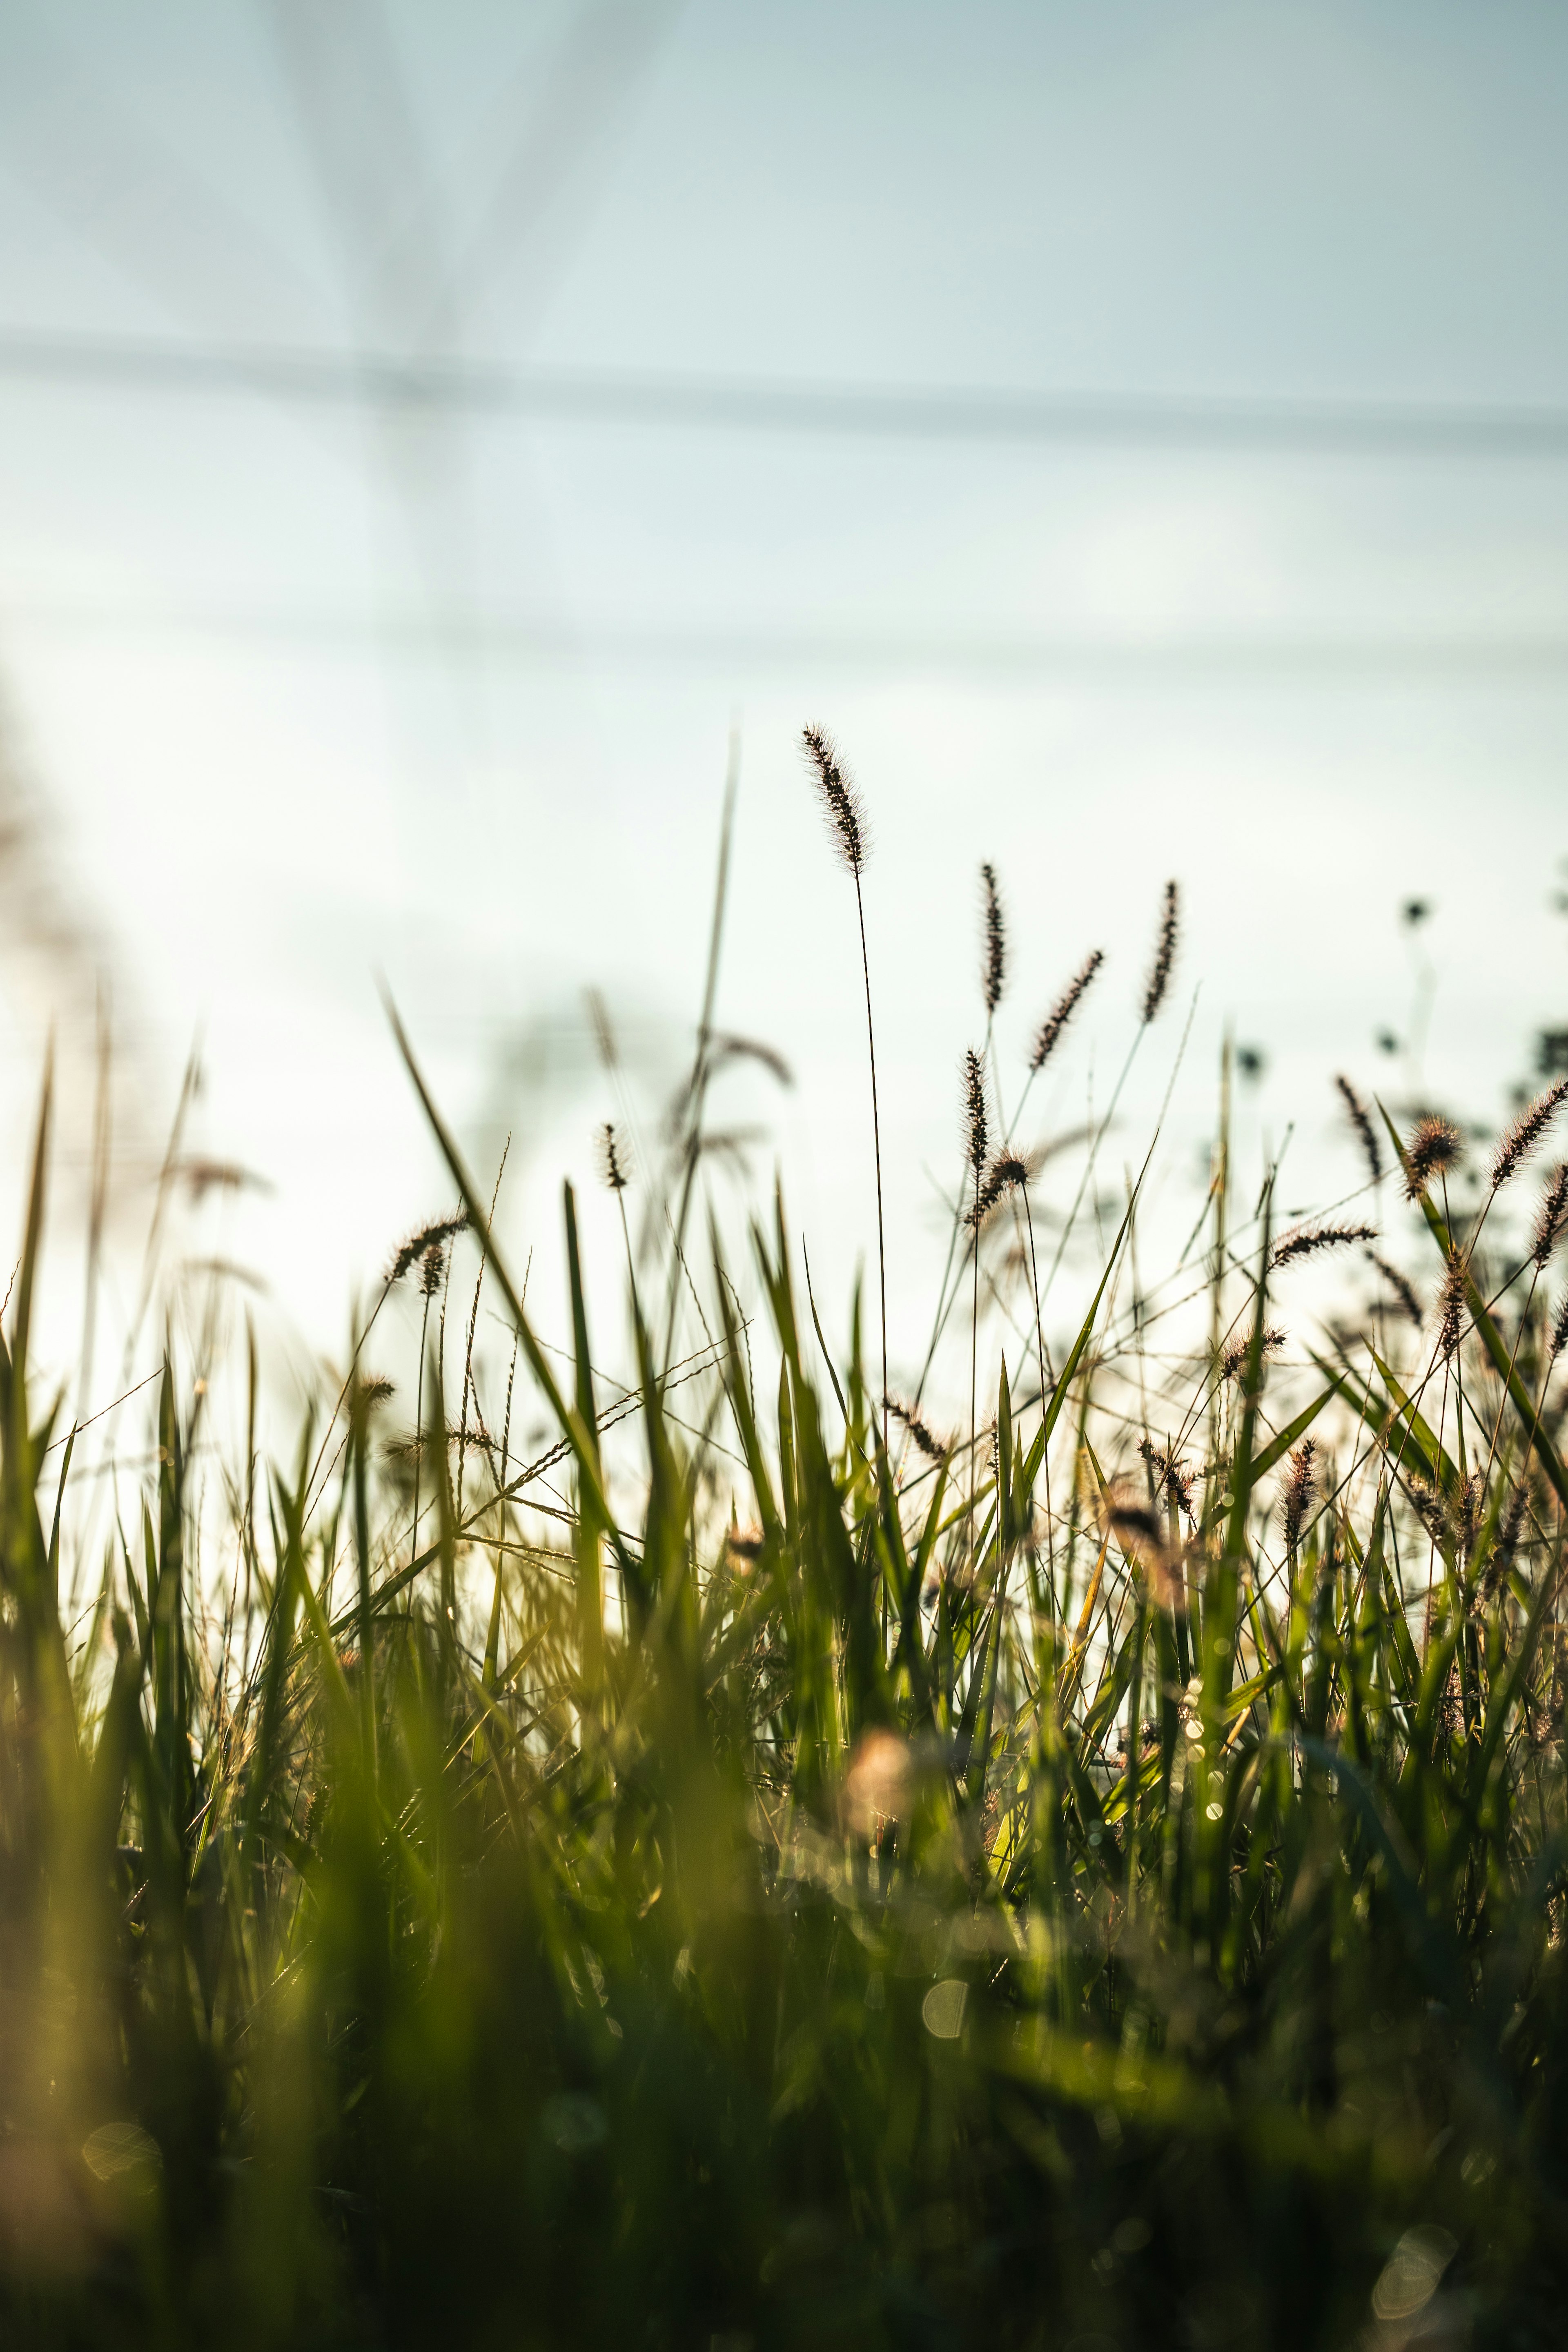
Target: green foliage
x,y
1040,1894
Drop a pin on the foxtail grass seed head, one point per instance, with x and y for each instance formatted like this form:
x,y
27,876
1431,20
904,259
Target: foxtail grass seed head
x,y
976,1132
1451,1306
1525,1133
993,940
1300,1485
1005,1175
1172,1478
1361,1120
925,1442
1234,1354
1428,1507
1506,1549
1467,1505
841,803
1435,1145
1559,1338
1408,1303
436,1235
432,1265
613,1159
1309,1239
1050,1030
1164,957
1551,1217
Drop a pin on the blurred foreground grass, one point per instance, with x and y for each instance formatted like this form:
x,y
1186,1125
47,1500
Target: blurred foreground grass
x,y
1096,1882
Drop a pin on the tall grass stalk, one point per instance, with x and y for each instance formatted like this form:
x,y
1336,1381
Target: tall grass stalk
x,y
851,835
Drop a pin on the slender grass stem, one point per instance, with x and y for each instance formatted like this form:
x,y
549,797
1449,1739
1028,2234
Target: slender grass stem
x,y
877,1152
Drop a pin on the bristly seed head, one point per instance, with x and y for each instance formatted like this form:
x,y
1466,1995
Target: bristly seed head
x,y
1507,1546
1005,1175
1559,1340
1451,1306
416,1247
1361,1120
1298,1488
1234,1354
1310,1238
1164,957
1552,1216
1067,1005
932,1447
1525,1133
993,942
841,803
1401,1288
1434,1144
975,1129
1172,1477
612,1158
1431,1510
432,1265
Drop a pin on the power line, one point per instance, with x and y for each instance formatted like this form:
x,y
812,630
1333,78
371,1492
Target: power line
x,y
1437,658
607,397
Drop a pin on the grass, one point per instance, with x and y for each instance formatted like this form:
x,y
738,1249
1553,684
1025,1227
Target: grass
x,y
1101,1886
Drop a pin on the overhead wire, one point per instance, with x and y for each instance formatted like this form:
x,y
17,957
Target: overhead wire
x,y
438,381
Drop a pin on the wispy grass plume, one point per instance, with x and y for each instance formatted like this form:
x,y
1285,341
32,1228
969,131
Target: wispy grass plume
x,y
1551,1217
920,1431
1300,1486
1049,1034
1409,1304
1435,1145
1521,1138
1164,957
1451,1306
1310,1239
1361,1120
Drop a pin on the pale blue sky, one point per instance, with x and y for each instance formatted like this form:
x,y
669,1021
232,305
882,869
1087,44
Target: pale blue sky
x,y
307,695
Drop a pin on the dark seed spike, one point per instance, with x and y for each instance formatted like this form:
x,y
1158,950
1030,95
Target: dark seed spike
x,y
976,1127
432,1236
1401,1288
1298,1488
1067,1005
1435,1145
1172,1477
1236,1351
1164,957
1005,1175
1526,1132
1360,1121
1505,1550
1559,1340
612,1158
1552,1217
1313,1238
841,803
993,940
1451,1306
930,1446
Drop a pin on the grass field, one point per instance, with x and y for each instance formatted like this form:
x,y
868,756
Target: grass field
x,y
766,1872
